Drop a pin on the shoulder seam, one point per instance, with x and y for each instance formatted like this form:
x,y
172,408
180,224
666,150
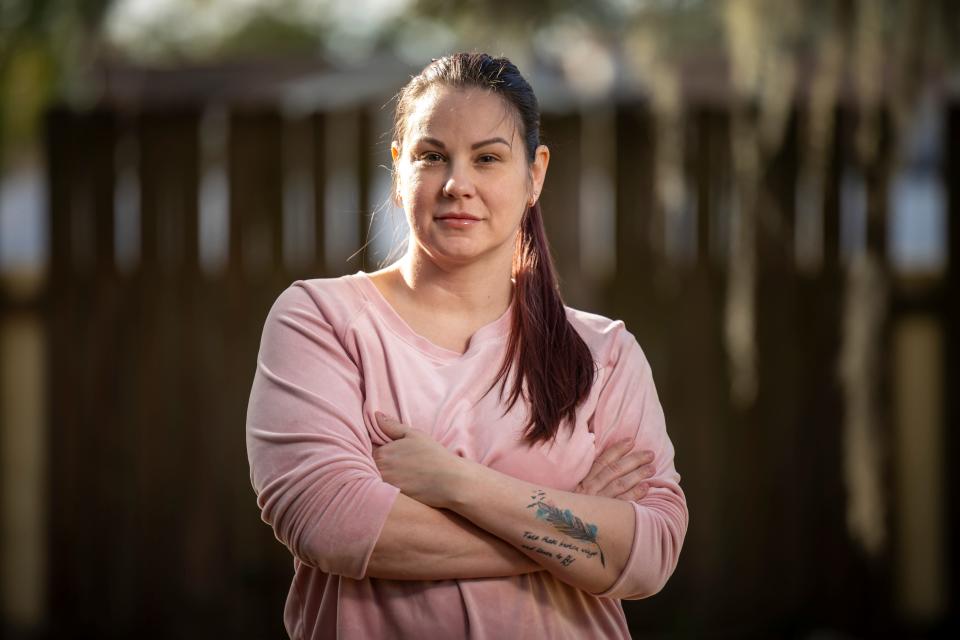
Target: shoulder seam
x,y
349,324
365,304
351,319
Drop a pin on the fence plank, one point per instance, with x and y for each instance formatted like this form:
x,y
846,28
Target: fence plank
x,y
319,190
778,203
65,505
254,563
702,164
952,316
560,201
635,197
836,159
366,154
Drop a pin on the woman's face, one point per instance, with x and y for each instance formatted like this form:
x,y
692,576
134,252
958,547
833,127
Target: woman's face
x,y
462,175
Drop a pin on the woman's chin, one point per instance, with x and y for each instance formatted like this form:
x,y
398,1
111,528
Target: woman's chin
x,y
456,253
463,250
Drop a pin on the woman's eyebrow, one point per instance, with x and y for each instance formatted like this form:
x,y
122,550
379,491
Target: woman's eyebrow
x,y
483,143
475,145
434,142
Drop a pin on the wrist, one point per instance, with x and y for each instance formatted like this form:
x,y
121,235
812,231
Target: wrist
x,y
465,479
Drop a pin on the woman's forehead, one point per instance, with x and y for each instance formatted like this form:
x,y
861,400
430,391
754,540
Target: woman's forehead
x,y
469,111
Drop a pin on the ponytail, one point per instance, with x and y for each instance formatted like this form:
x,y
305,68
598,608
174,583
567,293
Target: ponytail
x,y
551,357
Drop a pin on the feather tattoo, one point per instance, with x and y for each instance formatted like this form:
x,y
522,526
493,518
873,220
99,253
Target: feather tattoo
x,y
565,522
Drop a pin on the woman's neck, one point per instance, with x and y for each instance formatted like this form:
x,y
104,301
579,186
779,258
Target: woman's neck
x,y
480,289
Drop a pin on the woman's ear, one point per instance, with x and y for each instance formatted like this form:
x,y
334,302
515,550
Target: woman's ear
x,y
538,170
395,151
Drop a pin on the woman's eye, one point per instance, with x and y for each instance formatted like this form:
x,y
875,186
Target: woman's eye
x,y
487,158
430,156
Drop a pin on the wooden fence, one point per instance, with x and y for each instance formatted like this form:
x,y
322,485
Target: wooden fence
x,y
153,526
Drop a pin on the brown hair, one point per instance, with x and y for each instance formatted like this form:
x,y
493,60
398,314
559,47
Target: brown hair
x,y
551,357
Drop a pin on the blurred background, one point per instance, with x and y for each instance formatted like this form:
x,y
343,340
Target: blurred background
x,y
767,192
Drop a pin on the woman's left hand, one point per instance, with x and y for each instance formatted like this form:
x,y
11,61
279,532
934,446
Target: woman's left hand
x,y
416,463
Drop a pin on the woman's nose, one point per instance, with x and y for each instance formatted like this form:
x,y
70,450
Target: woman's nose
x,y
458,184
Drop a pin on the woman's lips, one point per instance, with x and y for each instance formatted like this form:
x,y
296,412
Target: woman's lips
x,y
457,222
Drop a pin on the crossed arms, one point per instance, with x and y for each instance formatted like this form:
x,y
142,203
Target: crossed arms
x,y
340,510
518,527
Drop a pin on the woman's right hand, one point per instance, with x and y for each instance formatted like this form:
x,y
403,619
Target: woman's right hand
x,y
619,473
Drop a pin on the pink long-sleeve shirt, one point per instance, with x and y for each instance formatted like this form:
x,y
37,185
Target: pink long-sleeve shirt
x,y
333,352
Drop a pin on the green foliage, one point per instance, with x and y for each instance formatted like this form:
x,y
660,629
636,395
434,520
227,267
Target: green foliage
x,y
26,81
269,35
41,42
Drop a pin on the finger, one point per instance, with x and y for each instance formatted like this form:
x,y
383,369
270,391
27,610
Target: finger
x,y
636,493
616,470
648,470
615,450
393,428
606,457
628,481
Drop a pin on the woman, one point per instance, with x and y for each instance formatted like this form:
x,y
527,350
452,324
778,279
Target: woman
x,y
416,501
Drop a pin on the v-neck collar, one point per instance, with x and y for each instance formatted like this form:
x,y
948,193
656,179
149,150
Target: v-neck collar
x,y
496,328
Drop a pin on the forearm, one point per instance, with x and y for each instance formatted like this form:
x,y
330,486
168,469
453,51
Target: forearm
x,y
580,539
419,542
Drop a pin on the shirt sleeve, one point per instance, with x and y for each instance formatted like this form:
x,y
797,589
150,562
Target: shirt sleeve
x,y
628,407
310,453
